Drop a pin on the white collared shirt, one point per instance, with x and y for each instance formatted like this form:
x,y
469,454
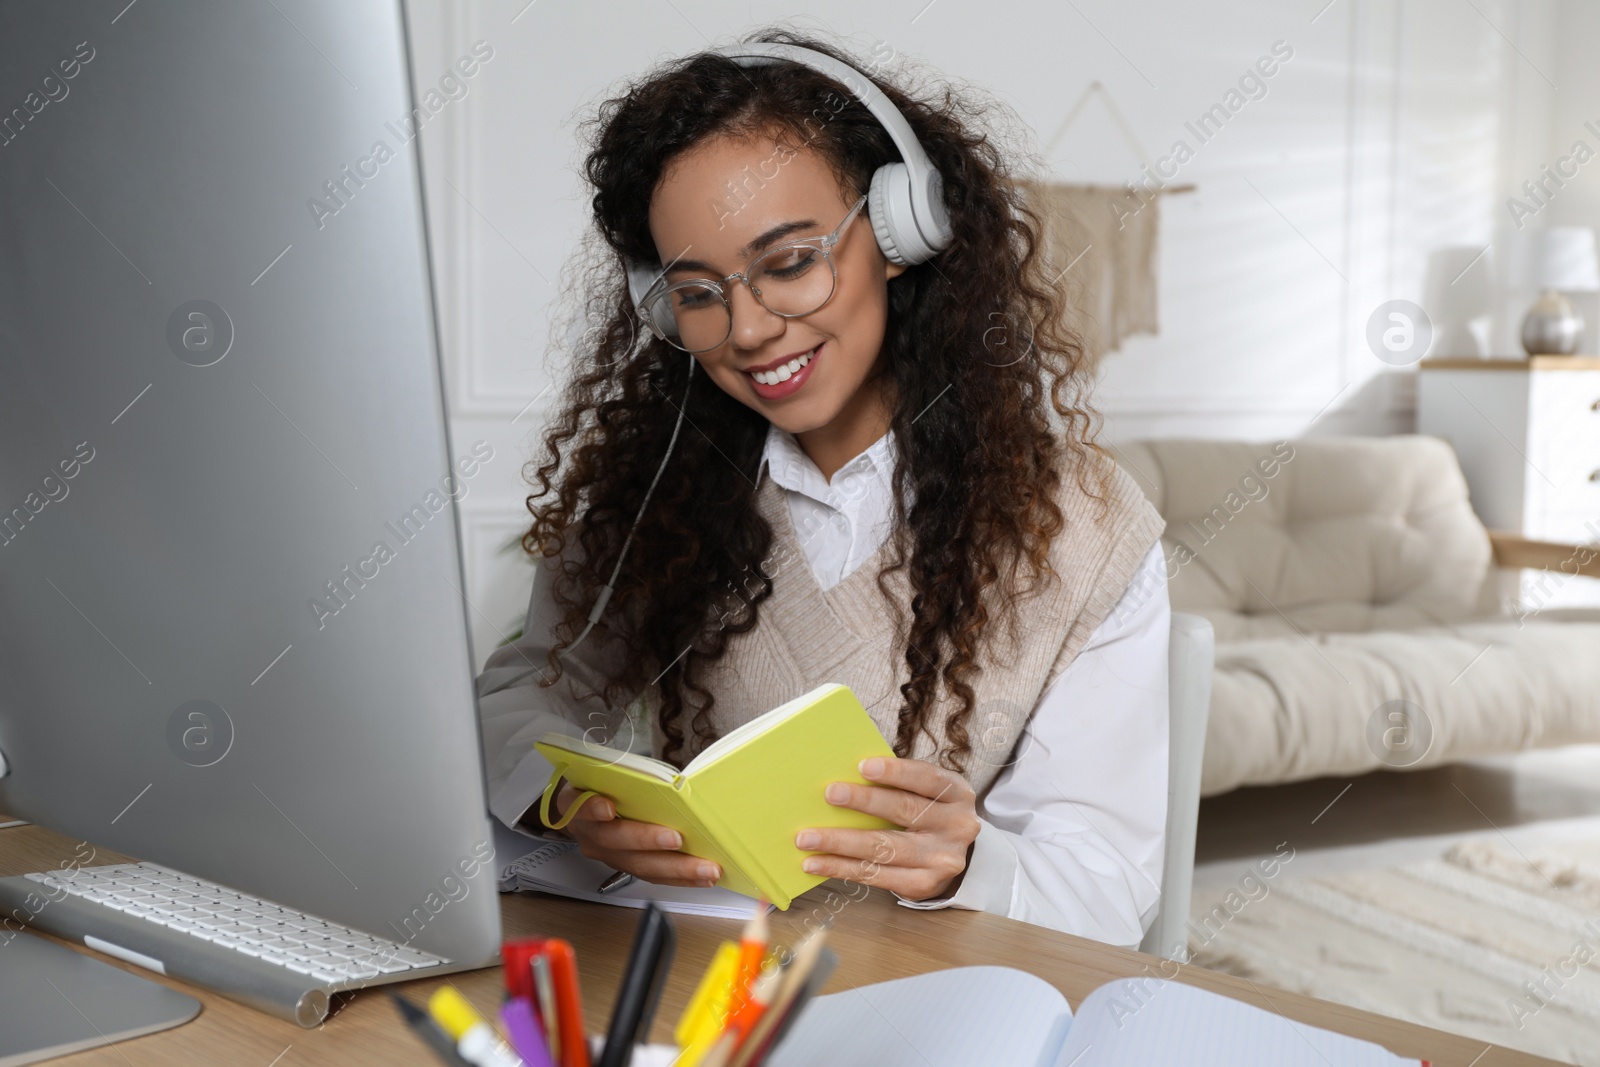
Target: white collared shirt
x,y
1071,834
841,521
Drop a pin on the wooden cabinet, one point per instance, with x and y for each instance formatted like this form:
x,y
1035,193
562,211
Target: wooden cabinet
x,y
1527,432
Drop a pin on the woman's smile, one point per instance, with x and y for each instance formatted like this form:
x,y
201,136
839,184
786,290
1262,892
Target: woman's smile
x,y
786,378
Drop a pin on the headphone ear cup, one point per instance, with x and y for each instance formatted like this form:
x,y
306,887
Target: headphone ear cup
x,y
879,210
640,277
894,216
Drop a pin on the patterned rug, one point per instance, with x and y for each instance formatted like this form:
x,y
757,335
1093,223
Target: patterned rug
x,y
1489,940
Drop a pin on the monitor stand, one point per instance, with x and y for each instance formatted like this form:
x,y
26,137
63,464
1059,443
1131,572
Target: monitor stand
x,y
54,1001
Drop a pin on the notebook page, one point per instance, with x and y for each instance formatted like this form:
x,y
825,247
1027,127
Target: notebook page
x,y
731,740
955,1018
1138,1022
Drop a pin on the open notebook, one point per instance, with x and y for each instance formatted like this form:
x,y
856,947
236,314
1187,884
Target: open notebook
x,y
972,1015
523,862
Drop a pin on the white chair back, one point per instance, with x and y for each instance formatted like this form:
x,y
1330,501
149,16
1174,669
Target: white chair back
x,y
1189,665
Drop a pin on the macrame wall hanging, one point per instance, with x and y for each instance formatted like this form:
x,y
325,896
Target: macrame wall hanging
x,y
1103,241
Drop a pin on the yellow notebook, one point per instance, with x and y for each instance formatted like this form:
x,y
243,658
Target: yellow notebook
x,y
741,801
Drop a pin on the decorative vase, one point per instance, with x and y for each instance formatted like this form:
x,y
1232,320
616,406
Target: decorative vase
x,y
1552,327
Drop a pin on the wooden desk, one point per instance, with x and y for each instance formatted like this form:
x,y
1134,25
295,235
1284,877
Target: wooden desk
x,y
874,938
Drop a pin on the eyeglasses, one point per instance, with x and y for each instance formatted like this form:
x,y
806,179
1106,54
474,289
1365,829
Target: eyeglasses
x,y
695,315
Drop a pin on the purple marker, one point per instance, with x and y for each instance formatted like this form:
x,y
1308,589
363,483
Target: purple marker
x,y
527,1037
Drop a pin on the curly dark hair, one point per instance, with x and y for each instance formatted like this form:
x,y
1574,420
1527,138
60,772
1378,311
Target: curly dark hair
x,y
982,464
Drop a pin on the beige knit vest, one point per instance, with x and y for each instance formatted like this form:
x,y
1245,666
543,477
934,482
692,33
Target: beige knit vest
x,y
807,636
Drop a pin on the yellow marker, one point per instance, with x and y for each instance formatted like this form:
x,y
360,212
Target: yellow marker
x,y
452,1011
708,1009
475,1039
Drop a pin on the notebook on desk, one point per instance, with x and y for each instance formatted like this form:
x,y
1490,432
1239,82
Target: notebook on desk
x,y
531,863
973,1015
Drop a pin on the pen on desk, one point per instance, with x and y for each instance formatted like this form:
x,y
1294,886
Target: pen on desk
x,y
616,880
428,1031
642,981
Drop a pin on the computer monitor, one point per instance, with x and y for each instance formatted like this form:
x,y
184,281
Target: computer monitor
x,y
233,627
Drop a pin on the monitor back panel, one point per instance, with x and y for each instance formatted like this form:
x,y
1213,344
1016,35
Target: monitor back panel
x,y
232,628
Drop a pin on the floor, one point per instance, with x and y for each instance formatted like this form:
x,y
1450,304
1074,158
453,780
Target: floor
x,y
1391,817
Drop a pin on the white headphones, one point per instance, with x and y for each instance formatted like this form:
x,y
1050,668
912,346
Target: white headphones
x,y
906,199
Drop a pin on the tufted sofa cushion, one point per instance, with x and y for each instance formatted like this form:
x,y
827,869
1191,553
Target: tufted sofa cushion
x,y
1285,709
1330,535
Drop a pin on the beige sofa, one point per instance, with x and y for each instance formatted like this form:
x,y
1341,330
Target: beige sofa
x,y
1360,610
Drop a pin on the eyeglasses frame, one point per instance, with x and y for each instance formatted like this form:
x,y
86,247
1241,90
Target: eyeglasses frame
x,y
824,243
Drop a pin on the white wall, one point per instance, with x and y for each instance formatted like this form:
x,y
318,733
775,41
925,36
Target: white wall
x,y
1576,106
1396,128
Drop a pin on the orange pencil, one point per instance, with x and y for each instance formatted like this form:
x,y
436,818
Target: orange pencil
x,y
752,947
778,1004
747,1016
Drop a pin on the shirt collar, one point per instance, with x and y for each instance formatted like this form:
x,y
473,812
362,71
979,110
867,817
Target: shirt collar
x,y
787,463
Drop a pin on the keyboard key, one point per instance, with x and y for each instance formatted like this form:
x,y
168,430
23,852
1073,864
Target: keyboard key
x,y
325,962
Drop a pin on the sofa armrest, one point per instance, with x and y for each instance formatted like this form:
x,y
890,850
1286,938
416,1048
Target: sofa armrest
x,y
1515,551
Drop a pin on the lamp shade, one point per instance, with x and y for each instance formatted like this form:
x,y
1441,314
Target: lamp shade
x,y
1561,258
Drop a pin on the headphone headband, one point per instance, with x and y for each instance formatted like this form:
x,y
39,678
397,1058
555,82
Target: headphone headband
x,y
906,199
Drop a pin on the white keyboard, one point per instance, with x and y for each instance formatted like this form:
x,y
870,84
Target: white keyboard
x,y
301,943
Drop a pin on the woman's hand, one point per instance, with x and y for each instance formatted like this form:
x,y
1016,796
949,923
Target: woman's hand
x,y
642,849
938,810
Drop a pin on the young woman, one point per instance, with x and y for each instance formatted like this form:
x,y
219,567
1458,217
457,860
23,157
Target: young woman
x,y
884,475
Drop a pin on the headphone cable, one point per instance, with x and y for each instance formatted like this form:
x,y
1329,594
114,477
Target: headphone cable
x,y
610,586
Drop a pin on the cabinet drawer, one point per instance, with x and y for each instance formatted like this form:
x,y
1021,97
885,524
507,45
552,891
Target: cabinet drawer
x,y
1575,492
1564,412
1564,443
